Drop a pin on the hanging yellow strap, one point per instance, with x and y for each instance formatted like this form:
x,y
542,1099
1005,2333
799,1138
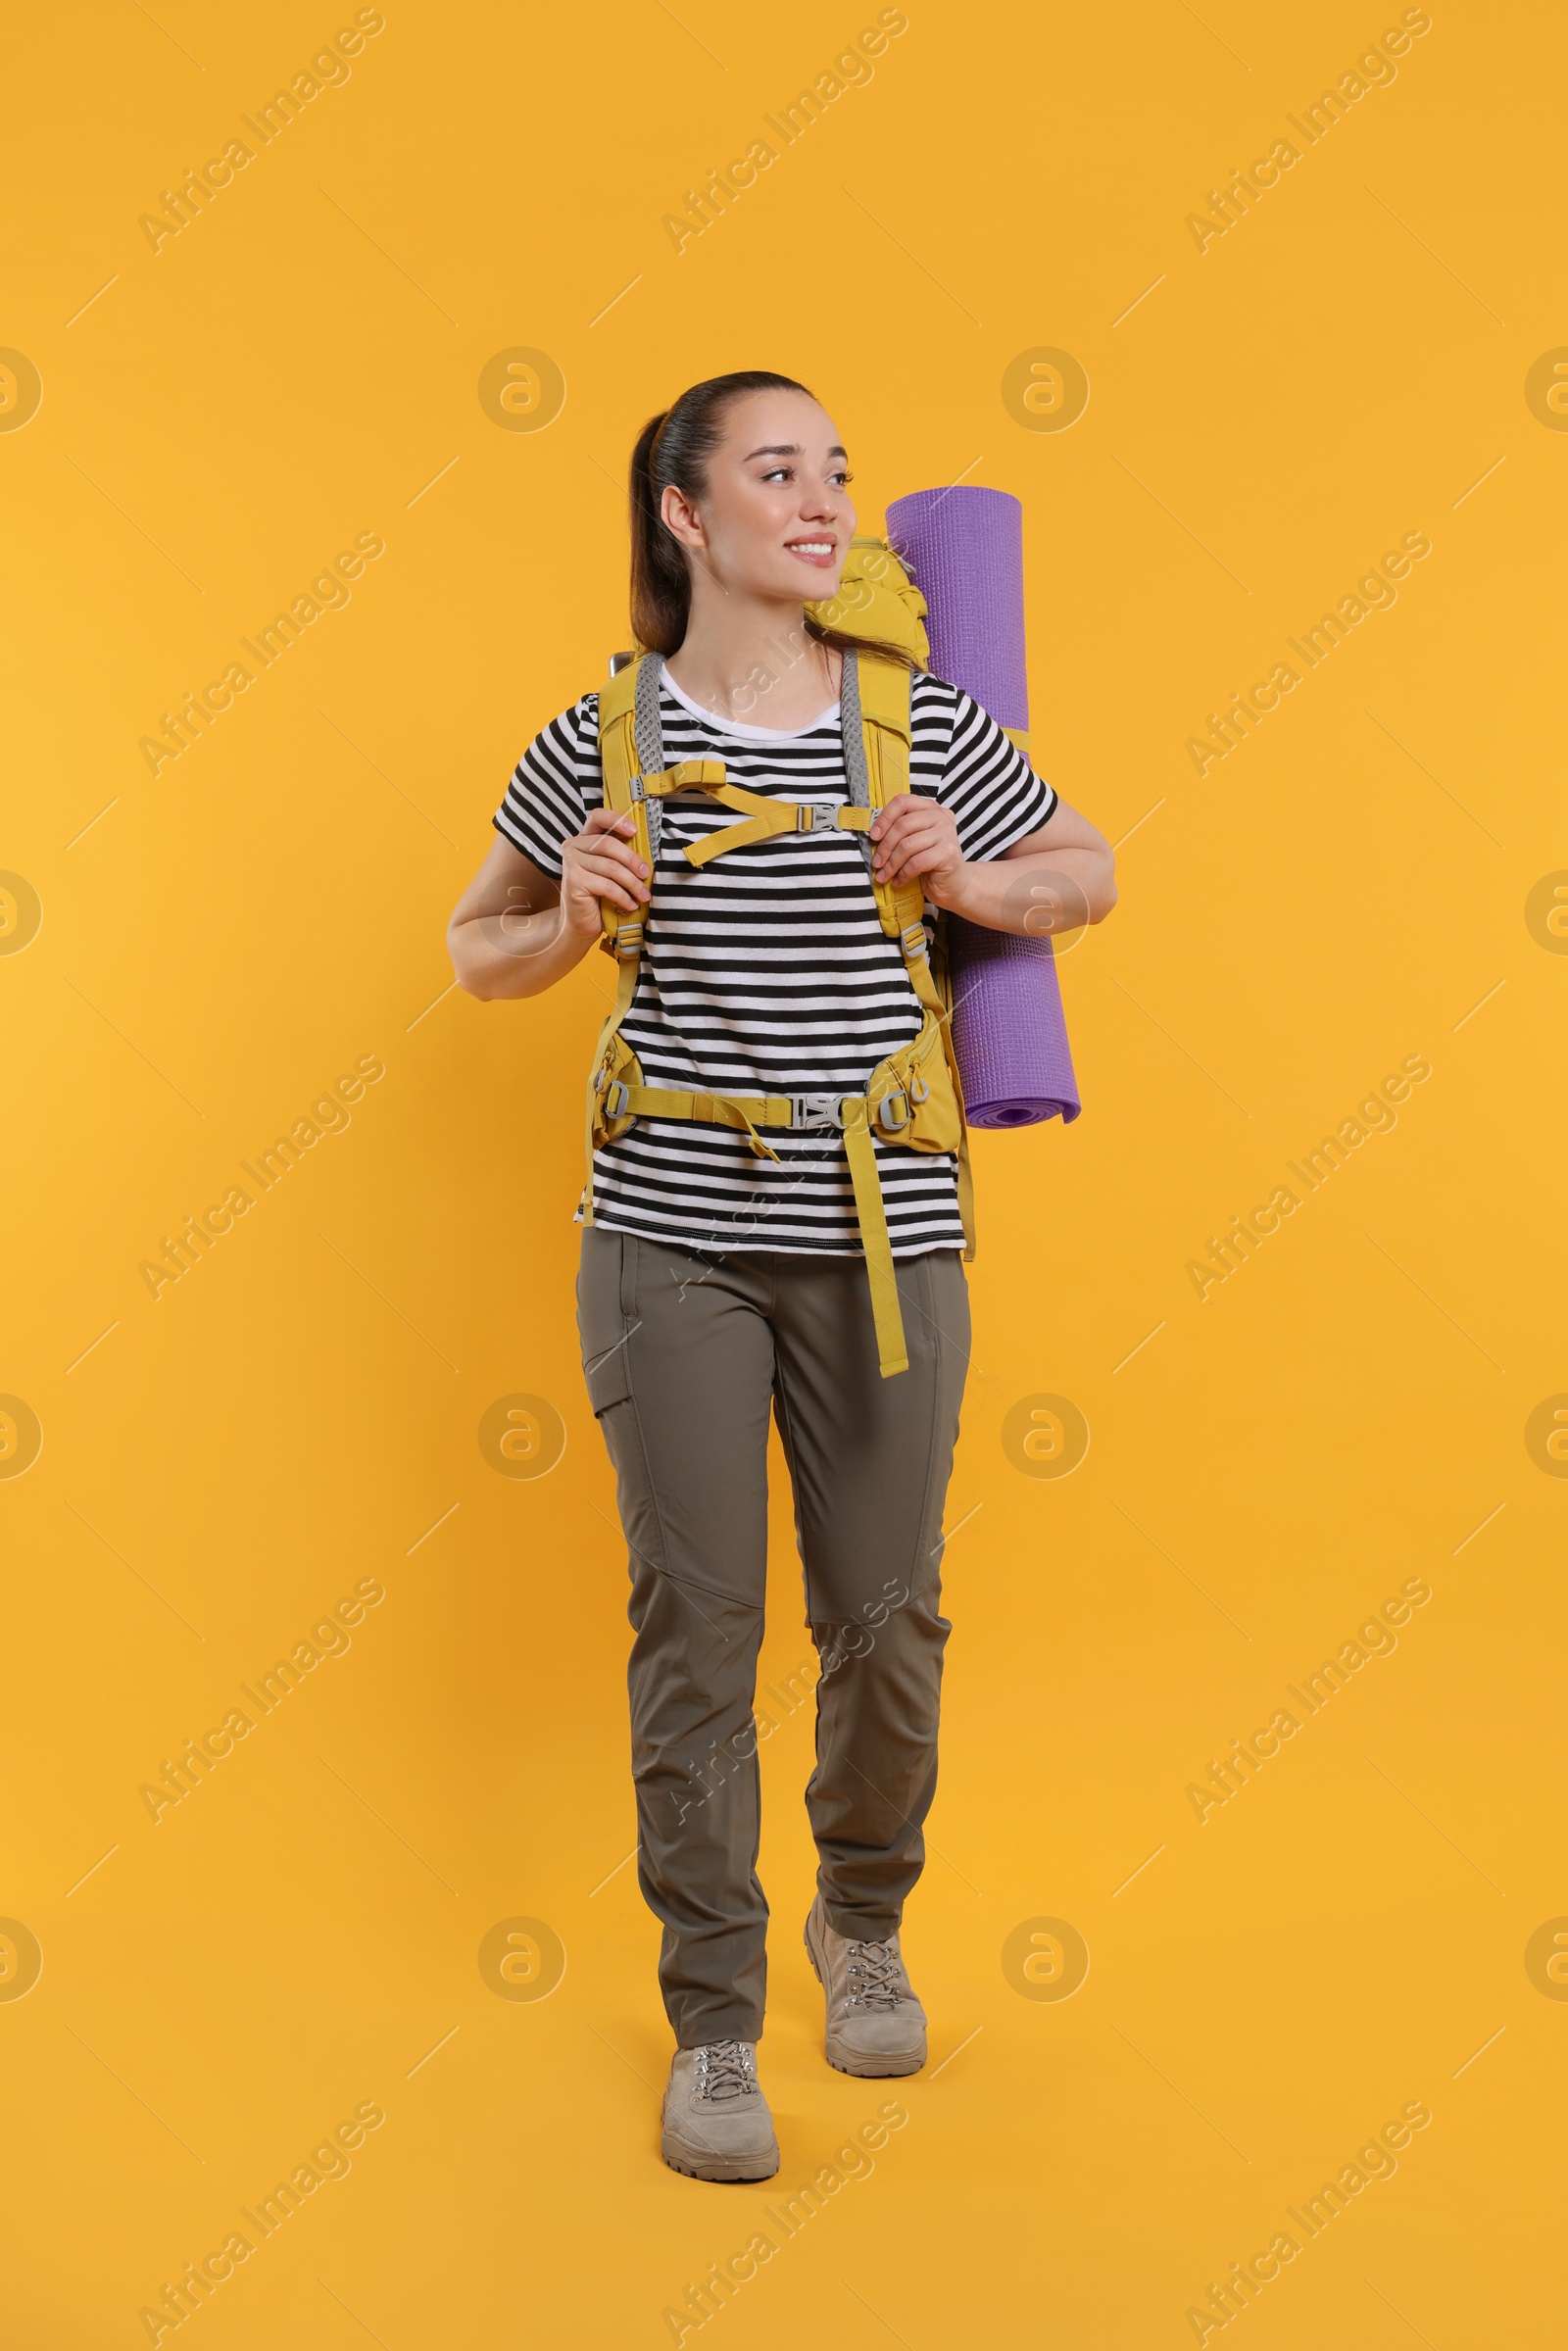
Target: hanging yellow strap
x,y
892,1351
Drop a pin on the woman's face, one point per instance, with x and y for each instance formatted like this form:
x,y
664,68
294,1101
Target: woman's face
x,y
775,518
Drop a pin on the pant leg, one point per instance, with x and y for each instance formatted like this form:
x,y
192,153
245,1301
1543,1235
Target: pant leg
x,y
877,1707
678,1355
870,1459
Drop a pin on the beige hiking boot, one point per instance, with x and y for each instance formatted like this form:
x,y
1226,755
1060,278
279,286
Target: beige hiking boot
x,y
716,2122
875,2025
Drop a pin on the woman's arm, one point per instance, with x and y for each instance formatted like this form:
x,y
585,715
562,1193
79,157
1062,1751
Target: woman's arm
x,y
516,931
1053,880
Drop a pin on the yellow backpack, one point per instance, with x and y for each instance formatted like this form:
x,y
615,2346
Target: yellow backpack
x,y
913,1098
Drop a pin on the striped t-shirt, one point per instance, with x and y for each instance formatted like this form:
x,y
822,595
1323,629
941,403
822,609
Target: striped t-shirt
x,y
768,971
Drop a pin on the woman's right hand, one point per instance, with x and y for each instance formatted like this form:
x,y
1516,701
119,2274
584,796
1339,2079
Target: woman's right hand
x,y
601,861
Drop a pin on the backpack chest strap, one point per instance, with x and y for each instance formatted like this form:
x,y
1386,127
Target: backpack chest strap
x,y
764,817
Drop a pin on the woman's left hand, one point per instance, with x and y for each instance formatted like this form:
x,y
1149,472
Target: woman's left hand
x,y
917,838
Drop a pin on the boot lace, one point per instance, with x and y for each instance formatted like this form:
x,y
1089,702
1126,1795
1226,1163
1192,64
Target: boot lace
x,y
876,1975
725,2070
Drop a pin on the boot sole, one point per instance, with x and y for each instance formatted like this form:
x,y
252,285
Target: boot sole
x,y
864,2069
882,2069
721,2169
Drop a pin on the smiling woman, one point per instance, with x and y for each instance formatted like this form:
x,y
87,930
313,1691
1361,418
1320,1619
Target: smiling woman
x,y
774,1213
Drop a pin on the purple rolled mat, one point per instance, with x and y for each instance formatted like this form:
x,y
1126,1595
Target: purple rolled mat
x,y
964,548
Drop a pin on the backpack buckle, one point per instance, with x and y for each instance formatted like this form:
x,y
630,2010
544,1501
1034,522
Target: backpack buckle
x,y
914,941
816,815
634,785
893,1113
615,1100
628,939
815,1110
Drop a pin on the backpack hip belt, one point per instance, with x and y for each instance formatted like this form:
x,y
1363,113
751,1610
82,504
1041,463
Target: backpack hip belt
x,y
913,1098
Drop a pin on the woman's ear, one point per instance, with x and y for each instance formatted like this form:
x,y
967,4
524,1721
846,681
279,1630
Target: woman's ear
x,y
680,518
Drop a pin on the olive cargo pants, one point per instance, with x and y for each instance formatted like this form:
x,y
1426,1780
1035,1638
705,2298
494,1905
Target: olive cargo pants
x,y
684,1355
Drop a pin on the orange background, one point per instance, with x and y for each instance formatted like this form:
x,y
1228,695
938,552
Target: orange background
x,y
299,1414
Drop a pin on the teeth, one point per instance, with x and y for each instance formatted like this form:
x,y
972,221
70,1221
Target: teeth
x,y
812,546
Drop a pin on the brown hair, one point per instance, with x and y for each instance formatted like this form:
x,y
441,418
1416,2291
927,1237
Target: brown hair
x,y
671,451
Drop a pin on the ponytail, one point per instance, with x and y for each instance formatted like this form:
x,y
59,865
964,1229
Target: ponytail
x,y
661,584
671,451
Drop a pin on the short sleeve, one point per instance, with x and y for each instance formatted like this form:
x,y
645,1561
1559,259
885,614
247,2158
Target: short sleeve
x,y
556,785
989,785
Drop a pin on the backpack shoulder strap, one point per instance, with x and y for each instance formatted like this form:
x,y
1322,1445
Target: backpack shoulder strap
x,y
880,696
622,933
617,725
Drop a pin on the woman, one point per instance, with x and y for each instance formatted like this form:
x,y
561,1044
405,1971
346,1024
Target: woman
x,y
723,1270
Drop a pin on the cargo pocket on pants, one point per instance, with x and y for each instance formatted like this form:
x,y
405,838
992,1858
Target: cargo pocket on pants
x,y
605,1283
602,1326
609,1378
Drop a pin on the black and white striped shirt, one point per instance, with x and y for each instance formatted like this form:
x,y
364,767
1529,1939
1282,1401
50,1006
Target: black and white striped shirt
x,y
768,971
